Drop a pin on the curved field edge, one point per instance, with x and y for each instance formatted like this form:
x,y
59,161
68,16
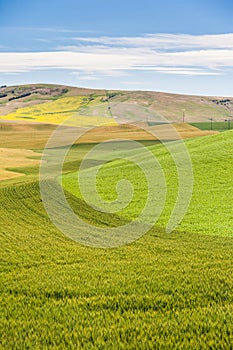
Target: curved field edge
x,y
66,110
171,290
210,209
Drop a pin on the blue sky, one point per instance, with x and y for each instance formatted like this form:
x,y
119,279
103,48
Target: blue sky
x,y
175,46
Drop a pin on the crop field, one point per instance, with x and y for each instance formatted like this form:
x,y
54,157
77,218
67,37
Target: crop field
x,y
55,103
61,110
15,158
24,135
217,126
210,210
163,291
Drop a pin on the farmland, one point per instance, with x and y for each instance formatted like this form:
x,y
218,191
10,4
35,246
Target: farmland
x,y
15,158
54,104
174,291
163,291
57,112
217,126
210,210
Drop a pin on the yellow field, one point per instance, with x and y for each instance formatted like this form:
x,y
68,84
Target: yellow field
x,y
59,111
140,132
12,158
185,131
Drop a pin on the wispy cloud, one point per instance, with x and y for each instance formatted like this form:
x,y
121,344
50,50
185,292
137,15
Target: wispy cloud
x,y
106,56
43,40
165,41
48,30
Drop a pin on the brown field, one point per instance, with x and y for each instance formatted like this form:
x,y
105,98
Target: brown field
x,y
12,158
171,106
35,135
24,135
19,139
142,132
185,131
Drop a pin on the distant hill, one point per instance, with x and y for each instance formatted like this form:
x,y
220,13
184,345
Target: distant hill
x,y
54,103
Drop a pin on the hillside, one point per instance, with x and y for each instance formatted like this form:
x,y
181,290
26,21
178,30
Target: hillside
x,y
172,290
210,209
56,103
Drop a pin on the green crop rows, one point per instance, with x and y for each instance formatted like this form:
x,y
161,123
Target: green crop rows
x,y
216,126
164,291
210,210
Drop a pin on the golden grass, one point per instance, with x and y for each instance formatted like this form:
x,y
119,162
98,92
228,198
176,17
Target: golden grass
x,y
35,136
24,135
184,130
17,138
141,132
125,131
12,158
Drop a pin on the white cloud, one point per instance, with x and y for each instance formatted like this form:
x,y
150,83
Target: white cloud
x,y
165,41
48,29
180,71
42,40
88,78
106,56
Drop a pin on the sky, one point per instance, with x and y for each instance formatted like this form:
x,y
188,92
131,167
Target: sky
x,y
172,46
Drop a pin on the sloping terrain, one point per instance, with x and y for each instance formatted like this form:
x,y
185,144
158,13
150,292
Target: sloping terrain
x,y
18,139
172,290
27,103
14,97
56,294
210,210
14,158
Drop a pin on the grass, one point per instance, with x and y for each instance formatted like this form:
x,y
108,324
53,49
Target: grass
x,y
210,210
18,135
14,158
216,126
24,135
193,109
171,106
164,291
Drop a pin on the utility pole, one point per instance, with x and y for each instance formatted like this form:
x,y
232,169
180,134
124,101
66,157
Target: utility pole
x,y
211,123
183,112
110,111
226,122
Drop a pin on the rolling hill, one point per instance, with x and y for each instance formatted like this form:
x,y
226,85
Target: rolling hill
x,y
210,209
53,104
172,291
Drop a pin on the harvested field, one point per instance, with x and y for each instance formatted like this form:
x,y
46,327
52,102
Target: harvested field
x,y
163,132
13,158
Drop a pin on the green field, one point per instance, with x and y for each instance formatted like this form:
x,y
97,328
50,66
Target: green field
x,y
164,291
210,210
216,126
